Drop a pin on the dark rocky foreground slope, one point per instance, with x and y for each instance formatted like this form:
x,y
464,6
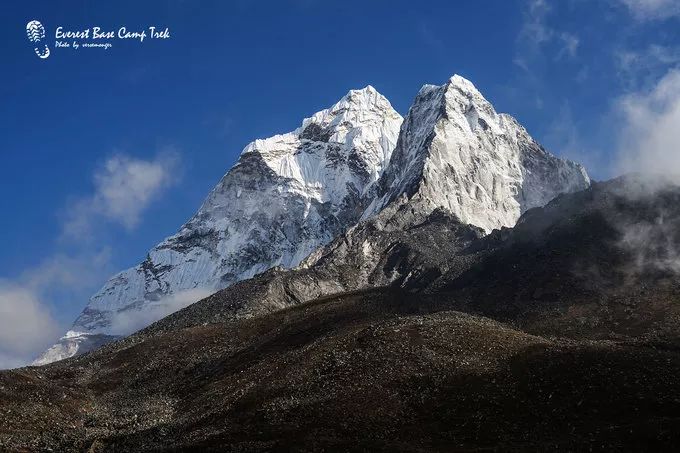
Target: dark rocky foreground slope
x,y
558,334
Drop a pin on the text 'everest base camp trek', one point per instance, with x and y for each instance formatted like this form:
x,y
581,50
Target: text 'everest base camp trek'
x,y
295,199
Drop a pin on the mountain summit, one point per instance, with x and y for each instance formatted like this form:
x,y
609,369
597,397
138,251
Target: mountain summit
x,y
291,194
455,152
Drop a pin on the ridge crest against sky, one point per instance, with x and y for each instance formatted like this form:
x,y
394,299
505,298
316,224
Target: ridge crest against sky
x,y
105,151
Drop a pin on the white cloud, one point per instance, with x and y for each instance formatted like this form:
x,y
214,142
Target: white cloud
x,y
127,322
643,67
536,34
26,325
124,189
61,270
652,9
650,129
570,45
535,27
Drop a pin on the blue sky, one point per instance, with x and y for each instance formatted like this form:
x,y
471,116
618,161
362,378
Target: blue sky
x,y
105,152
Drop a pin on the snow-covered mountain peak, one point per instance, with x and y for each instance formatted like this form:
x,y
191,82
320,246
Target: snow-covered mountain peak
x,y
291,193
464,86
286,196
464,89
354,121
335,153
357,111
361,128
457,153
462,97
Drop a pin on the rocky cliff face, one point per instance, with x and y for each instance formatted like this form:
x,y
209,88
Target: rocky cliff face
x,y
292,194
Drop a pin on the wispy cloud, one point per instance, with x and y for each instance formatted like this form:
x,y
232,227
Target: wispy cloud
x,y
123,189
646,10
641,67
536,35
535,29
62,270
569,45
28,323
127,322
